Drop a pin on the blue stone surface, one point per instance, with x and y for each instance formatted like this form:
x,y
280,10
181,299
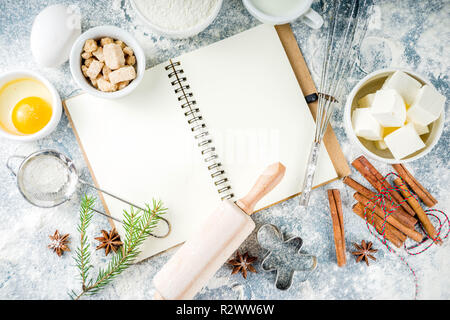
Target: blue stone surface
x,y
407,33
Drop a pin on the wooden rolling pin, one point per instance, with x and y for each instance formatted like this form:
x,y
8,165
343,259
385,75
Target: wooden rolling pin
x,y
221,234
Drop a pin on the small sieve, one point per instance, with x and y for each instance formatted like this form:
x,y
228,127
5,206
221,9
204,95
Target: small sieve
x,y
48,178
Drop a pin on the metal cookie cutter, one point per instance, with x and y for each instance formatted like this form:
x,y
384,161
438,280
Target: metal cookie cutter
x,y
284,256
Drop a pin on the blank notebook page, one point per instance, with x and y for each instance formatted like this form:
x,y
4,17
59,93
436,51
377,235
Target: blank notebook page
x,y
140,147
252,103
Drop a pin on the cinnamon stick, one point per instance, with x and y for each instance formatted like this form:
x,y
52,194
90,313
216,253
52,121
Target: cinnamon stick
x,y
412,182
370,205
377,180
398,213
365,172
337,219
388,227
427,225
391,234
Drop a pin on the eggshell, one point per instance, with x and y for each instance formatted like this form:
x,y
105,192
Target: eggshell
x,y
54,31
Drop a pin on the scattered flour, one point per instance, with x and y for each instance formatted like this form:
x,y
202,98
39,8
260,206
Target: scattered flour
x,y
239,288
176,15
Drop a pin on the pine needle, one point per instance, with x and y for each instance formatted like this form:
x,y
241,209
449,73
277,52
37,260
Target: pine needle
x,y
138,226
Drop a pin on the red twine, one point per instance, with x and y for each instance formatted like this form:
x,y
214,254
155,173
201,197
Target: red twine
x,y
384,196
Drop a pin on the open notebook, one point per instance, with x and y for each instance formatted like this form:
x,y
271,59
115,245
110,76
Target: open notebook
x,y
199,128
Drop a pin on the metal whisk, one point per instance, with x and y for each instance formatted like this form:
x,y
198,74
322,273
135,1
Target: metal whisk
x,y
347,24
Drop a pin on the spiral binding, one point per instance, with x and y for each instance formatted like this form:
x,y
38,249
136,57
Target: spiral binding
x,y
199,129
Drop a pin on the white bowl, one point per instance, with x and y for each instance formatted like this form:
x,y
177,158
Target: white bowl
x,y
55,104
369,84
178,34
303,7
117,34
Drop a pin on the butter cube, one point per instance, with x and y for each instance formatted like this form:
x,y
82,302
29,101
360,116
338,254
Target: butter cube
x,y
419,128
366,101
365,125
389,130
381,145
388,108
404,141
113,55
427,106
406,86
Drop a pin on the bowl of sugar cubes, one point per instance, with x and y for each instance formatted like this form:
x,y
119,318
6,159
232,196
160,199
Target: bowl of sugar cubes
x,y
394,116
107,62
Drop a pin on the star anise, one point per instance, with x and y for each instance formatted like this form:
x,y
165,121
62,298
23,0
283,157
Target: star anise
x,y
59,243
364,252
242,263
109,241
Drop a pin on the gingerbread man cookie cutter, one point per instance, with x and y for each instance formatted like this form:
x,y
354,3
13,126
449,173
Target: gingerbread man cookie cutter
x,y
284,256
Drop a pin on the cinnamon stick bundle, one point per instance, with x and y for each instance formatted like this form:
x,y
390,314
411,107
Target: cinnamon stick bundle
x,y
370,205
393,235
412,182
337,218
398,213
377,180
427,225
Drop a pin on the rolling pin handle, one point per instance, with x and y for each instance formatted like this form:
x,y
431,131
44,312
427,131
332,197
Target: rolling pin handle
x,y
265,183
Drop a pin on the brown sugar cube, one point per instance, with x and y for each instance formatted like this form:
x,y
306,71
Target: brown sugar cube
x,y
94,69
84,69
122,84
90,45
94,81
130,60
88,62
105,85
122,74
99,54
120,43
128,51
114,57
104,77
105,41
106,71
86,55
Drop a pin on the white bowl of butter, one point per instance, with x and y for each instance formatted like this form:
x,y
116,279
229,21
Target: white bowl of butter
x,y
30,106
393,146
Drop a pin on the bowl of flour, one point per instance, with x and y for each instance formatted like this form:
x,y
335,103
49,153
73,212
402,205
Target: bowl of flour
x,y
177,18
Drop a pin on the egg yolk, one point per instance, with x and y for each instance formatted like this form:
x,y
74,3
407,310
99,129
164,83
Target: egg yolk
x,y
31,115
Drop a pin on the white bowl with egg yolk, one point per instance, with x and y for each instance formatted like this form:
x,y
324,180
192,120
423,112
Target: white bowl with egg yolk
x,y
8,102
370,84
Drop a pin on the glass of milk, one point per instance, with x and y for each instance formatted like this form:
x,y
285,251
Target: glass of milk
x,y
284,11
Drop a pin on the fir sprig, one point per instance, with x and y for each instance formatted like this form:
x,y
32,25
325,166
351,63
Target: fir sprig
x,y
83,255
138,226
